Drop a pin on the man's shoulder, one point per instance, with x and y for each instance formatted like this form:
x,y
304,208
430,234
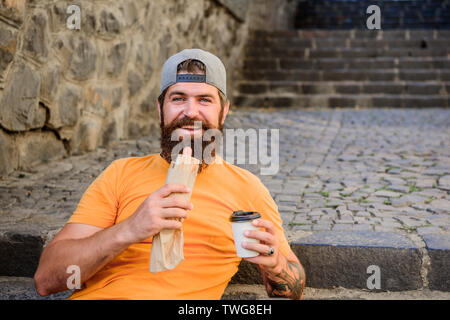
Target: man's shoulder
x,y
241,174
128,165
123,162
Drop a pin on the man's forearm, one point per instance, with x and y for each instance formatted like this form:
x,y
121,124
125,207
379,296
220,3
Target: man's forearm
x,y
89,254
288,283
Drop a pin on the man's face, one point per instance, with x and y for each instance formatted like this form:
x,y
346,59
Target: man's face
x,y
193,101
184,104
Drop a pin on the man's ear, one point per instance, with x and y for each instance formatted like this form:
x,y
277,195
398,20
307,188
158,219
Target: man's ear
x,y
225,111
159,111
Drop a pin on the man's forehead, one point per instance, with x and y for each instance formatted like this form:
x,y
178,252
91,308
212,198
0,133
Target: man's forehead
x,y
193,88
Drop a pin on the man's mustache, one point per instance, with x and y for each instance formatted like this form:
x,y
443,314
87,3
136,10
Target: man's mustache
x,y
180,123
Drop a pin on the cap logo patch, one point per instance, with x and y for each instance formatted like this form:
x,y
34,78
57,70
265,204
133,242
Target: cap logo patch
x,y
191,78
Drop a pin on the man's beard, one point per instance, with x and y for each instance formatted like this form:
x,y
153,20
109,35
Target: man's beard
x,y
196,143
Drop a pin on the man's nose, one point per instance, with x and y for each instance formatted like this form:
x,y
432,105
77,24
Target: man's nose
x,y
191,109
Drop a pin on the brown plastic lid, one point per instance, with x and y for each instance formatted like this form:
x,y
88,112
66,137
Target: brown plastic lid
x,y
242,216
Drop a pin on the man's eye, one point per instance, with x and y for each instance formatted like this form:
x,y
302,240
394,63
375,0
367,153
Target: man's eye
x,y
205,100
177,99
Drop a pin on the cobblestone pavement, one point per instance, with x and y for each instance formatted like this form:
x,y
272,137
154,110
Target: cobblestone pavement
x,y
378,169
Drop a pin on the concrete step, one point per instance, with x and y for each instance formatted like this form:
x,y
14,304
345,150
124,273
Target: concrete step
x,y
255,292
348,75
331,259
401,34
251,64
319,43
347,259
341,101
344,87
374,52
19,288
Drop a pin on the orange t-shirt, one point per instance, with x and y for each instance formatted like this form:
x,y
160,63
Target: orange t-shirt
x,y
210,258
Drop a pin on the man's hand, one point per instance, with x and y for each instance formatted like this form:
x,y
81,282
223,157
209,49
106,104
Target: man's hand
x,y
268,240
282,276
158,212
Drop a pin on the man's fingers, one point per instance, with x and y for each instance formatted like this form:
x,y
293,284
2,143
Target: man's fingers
x,y
171,224
173,213
258,247
266,224
259,235
171,188
176,202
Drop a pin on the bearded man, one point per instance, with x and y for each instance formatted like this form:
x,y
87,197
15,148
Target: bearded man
x,y
109,236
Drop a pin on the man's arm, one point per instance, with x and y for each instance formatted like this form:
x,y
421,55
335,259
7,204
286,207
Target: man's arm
x,y
91,248
282,276
289,282
88,247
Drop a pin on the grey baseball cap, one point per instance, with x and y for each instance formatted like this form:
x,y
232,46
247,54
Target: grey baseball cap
x,y
216,74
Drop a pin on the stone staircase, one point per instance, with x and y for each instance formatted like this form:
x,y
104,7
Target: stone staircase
x,y
396,14
334,62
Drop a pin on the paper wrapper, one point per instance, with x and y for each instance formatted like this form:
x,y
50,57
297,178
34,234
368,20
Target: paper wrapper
x,y
167,246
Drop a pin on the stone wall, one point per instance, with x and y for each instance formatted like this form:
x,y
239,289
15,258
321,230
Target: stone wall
x,y
272,14
67,91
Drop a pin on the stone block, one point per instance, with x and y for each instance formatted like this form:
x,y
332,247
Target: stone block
x,y
317,88
116,59
423,88
381,76
37,147
68,106
19,104
23,288
36,38
129,13
13,11
109,23
8,45
135,82
342,102
418,76
20,251
438,246
65,111
444,183
348,89
237,8
333,258
87,136
283,87
383,88
50,79
261,64
82,58
8,154
385,102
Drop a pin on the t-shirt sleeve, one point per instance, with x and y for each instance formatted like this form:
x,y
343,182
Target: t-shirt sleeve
x,y
268,209
99,203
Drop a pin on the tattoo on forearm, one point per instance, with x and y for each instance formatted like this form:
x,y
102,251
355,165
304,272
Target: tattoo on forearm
x,y
290,283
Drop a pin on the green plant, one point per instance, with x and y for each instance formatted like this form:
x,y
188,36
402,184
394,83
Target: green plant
x,y
413,188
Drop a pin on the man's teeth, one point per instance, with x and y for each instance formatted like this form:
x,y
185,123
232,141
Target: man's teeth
x,y
191,127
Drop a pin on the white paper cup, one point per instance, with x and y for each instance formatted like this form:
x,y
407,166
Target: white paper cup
x,y
241,221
